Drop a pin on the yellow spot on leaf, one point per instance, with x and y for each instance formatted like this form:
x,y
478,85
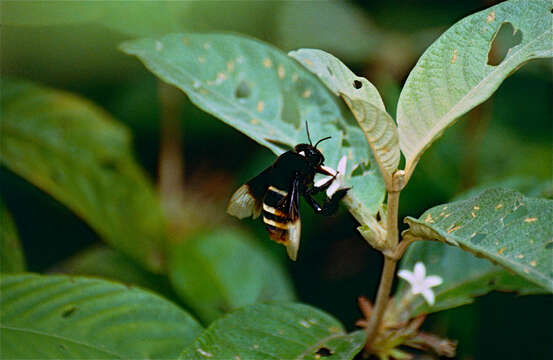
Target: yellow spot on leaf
x,y
201,59
294,77
317,356
526,270
255,346
305,324
204,353
499,206
473,214
454,229
429,219
445,207
281,71
490,17
237,357
531,241
260,106
267,63
185,41
207,45
334,329
520,256
307,62
529,220
306,93
254,121
533,263
446,216
501,251
454,58
476,207
230,66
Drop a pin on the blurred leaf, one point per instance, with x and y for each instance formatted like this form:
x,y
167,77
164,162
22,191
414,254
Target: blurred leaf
x,y
222,270
464,277
364,102
60,317
276,331
452,76
530,186
12,259
113,265
138,18
501,225
339,27
263,93
82,157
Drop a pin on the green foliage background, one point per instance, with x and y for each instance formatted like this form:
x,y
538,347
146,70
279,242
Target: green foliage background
x,y
507,137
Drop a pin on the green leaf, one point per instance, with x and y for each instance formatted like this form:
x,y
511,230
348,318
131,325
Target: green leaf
x,y
464,275
12,259
222,270
453,76
501,225
363,100
276,331
60,317
113,265
265,94
82,157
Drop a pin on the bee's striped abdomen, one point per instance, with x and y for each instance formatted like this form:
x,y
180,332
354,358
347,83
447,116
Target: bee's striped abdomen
x,y
276,220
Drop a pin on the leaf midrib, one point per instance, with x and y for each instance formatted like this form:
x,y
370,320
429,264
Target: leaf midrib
x,y
59,337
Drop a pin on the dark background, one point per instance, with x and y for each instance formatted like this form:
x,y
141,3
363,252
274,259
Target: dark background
x,y
508,136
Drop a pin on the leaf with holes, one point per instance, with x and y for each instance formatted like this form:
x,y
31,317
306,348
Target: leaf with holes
x,y
12,259
77,153
268,96
478,277
276,331
110,264
503,226
363,100
73,317
219,271
453,75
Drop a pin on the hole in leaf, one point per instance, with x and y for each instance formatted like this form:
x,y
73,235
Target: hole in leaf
x,y
357,84
324,351
242,90
378,217
68,312
504,39
360,169
549,245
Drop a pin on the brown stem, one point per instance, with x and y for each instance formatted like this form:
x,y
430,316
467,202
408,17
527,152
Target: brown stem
x,y
387,277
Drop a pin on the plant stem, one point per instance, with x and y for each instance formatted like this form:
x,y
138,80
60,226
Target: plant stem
x,y
387,277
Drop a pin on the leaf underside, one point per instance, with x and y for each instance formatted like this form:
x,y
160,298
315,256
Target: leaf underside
x,y
263,93
61,317
501,225
453,76
276,331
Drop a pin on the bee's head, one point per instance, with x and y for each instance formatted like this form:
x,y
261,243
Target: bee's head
x,y
312,154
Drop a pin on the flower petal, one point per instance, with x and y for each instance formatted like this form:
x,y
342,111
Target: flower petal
x,y
332,188
407,276
428,296
322,181
342,164
432,280
329,169
420,271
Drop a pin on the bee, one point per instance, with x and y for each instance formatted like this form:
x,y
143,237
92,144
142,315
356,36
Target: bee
x,y
276,192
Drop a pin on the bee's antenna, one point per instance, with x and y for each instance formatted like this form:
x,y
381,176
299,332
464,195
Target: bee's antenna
x,y
307,129
323,139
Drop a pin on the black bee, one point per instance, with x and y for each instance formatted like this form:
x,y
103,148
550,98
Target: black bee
x,y
276,192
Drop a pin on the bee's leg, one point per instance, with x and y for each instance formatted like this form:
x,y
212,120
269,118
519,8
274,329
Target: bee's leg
x,y
331,205
312,202
323,187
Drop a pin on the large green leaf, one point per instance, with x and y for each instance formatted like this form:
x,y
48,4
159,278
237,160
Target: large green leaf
x,y
453,76
222,270
501,225
60,317
363,100
82,157
464,275
111,264
11,254
268,96
276,331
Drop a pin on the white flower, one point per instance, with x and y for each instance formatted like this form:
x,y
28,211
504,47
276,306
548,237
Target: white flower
x,y
420,283
339,174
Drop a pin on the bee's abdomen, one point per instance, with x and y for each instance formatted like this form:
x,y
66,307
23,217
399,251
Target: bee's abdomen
x,y
276,220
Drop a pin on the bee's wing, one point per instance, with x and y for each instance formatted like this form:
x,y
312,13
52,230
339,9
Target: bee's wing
x,y
248,199
294,230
